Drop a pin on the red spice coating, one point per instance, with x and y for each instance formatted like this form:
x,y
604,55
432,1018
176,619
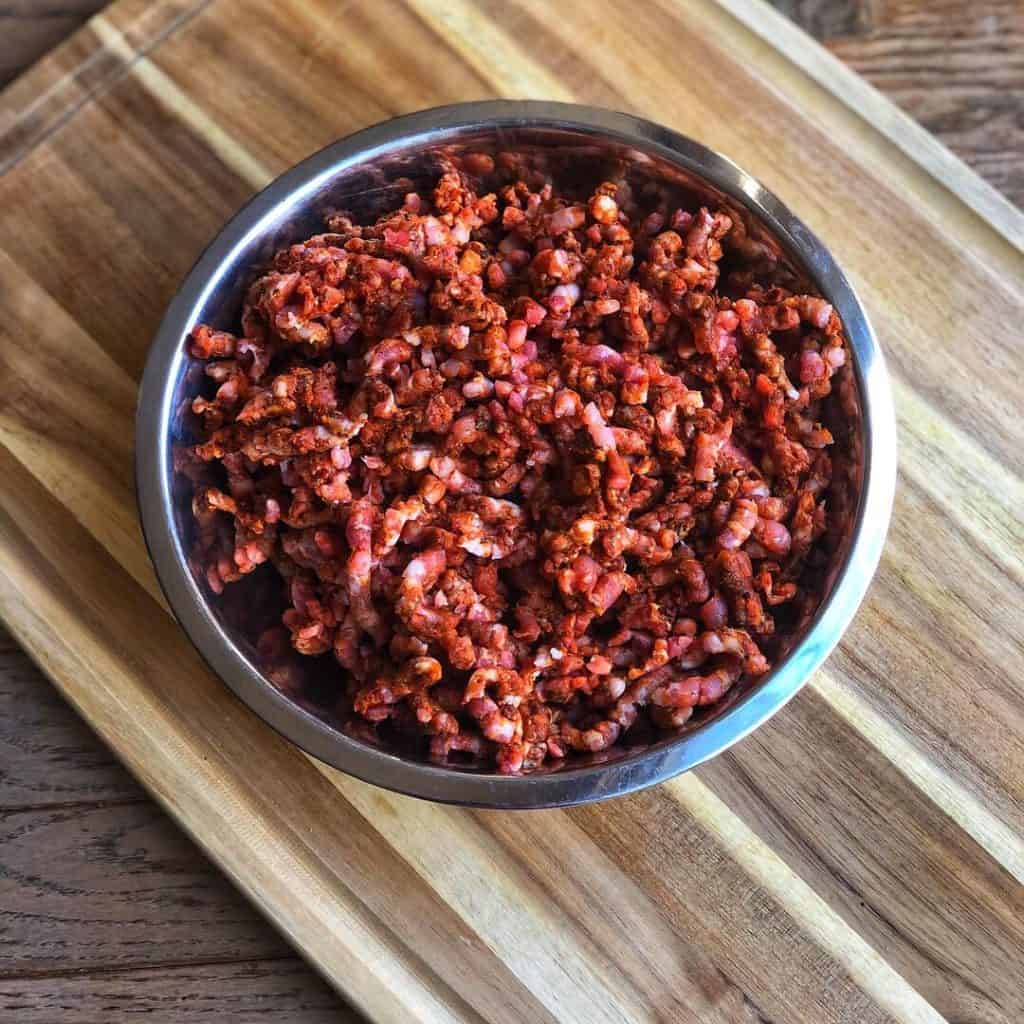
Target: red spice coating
x,y
529,469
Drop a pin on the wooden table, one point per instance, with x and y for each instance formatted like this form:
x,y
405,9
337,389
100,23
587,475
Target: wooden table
x,y
106,909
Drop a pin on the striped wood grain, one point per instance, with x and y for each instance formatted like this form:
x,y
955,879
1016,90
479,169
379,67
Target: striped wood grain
x,y
860,858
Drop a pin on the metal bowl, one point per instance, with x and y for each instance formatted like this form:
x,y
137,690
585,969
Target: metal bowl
x,y
362,173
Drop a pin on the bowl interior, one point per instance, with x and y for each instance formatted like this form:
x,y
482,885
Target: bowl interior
x,y
367,178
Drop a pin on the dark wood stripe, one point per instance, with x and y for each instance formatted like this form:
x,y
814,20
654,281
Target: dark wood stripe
x,y
205,993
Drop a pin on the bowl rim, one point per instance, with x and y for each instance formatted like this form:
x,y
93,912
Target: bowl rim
x,y
571,785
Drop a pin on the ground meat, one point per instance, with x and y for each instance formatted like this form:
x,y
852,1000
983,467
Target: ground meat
x,y
534,470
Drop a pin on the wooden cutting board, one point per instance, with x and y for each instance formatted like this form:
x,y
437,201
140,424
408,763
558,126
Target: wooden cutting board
x,y
859,858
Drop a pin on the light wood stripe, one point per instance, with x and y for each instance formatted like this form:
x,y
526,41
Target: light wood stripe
x,y
508,66
866,966
1000,842
962,486
517,925
897,869
224,145
48,361
147,26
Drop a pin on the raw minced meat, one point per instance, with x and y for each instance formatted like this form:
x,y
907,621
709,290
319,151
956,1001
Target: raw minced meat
x,y
536,472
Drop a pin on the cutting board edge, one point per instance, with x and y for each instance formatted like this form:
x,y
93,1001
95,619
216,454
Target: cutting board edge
x,y
858,95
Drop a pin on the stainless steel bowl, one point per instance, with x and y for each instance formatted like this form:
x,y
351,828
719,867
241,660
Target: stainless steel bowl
x,y
361,172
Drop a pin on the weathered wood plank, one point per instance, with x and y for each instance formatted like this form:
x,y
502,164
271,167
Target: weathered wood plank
x,y
956,67
281,990
48,755
115,885
960,72
826,19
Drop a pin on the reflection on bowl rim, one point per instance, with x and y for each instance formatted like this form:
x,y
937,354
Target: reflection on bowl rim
x,y
568,785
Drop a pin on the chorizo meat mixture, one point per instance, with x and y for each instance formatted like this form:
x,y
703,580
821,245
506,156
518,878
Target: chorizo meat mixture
x,y
539,473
